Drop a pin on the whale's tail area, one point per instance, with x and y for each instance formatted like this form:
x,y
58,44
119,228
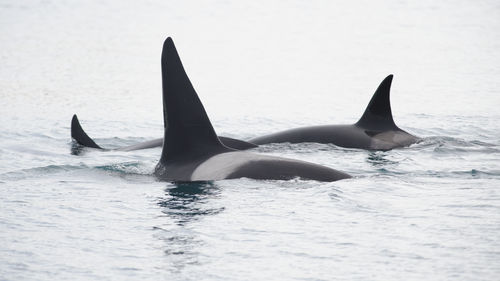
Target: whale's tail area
x,y
188,131
79,135
378,114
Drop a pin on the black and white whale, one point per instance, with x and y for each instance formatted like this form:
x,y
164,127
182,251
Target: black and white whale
x,y
81,137
193,152
375,130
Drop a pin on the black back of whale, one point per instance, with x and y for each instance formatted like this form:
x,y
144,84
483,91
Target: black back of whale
x,y
81,137
375,130
193,152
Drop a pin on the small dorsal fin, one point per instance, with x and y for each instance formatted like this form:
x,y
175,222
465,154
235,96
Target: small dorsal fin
x,y
378,115
79,135
188,131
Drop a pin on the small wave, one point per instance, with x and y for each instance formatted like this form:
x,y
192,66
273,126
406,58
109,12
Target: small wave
x,y
465,174
477,173
456,145
128,168
472,206
306,147
40,171
133,168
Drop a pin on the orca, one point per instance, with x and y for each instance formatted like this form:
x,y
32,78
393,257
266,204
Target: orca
x,y
375,130
81,137
192,151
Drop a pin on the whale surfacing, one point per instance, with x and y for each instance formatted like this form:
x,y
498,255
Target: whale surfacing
x,y
81,137
193,152
375,130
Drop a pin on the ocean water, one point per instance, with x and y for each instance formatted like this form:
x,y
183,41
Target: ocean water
x,y
430,211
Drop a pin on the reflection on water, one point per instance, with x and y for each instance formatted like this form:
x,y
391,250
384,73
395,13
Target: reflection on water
x,y
189,201
185,203
76,149
379,159
181,248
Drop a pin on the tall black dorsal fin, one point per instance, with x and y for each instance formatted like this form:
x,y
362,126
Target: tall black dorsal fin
x,y
188,131
378,114
79,135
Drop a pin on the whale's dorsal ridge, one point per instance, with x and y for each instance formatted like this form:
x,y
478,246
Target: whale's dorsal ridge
x,y
188,130
378,114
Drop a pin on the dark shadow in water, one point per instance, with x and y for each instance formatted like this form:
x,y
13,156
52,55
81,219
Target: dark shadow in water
x,y
188,201
76,149
378,159
184,203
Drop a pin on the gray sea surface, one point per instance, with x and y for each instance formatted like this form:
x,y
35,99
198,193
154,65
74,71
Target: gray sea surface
x,y
427,212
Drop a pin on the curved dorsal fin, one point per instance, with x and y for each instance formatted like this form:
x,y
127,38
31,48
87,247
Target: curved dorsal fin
x,y
378,114
188,131
79,135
